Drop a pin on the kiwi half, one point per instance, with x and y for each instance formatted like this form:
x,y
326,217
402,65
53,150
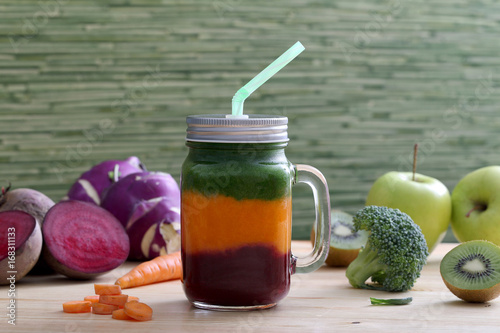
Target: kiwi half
x,y
345,244
471,271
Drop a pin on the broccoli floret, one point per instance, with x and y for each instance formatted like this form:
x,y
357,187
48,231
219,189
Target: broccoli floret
x,y
394,254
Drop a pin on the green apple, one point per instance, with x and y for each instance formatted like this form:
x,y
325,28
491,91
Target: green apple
x,y
476,206
425,199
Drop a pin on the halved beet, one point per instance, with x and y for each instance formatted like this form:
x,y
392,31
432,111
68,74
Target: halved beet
x,y
20,245
32,202
28,200
83,240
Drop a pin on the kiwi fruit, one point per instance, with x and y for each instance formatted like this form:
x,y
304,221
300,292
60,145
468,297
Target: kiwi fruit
x,y
471,271
345,244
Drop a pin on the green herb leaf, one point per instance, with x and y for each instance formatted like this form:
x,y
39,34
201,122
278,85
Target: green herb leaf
x,y
391,301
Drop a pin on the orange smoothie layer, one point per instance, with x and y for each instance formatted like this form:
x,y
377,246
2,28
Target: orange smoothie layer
x,y
218,222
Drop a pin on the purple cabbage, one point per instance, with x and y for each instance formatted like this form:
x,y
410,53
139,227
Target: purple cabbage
x,y
148,206
91,184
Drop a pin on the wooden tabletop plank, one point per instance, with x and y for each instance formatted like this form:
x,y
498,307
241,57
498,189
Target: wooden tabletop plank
x,y
318,302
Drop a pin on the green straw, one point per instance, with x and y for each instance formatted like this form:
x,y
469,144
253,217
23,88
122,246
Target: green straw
x,y
262,77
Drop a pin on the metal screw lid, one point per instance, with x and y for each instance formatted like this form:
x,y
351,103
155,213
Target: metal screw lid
x,y
237,129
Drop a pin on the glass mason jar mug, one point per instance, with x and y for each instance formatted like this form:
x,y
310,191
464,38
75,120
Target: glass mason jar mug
x,y
236,212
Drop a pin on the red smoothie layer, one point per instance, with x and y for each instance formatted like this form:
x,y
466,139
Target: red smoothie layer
x,y
245,276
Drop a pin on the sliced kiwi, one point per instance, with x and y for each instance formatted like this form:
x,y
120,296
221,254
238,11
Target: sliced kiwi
x,y
344,243
471,271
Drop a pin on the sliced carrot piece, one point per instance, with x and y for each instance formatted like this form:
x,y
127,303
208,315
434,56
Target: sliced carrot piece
x,y
118,300
133,298
103,309
138,311
107,289
92,298
77,306
121,315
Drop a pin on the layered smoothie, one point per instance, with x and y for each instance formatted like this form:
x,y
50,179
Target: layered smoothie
x,y
236,224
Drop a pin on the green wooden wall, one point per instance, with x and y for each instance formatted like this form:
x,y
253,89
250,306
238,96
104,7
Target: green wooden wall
x,y
84,81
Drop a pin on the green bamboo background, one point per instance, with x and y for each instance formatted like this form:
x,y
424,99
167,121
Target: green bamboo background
x,y
84,81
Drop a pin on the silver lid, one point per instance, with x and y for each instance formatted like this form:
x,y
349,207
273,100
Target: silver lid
x,y
252,128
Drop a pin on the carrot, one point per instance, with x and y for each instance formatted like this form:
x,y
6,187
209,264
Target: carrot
x,y
110,301
107,289
103,309
77,306
92,298
118,300
138,311
121,315
162,268
130,299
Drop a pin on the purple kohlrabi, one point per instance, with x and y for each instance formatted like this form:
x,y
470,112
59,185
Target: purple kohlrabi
x,y
148,206
91,184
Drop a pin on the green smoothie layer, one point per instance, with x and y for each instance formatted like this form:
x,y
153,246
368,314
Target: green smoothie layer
x,y
248,172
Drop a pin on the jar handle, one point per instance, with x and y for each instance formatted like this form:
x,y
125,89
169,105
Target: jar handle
x,y
315,179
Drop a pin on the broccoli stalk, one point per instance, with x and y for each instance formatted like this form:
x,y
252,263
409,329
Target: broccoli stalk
x,y
363,267
394,254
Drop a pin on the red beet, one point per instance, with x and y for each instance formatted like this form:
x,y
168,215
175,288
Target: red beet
x,y
30,201
20,245
83,240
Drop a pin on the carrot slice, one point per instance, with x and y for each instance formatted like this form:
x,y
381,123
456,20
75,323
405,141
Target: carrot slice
x,y
77,306
107,289
103,309
92,298
162,268
138,311
118,300
121,315
132,298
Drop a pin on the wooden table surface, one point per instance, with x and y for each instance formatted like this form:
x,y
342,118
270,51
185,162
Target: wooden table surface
x,y
322,301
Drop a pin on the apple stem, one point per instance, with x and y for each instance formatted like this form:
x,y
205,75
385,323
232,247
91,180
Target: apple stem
x,y
415,150
476,207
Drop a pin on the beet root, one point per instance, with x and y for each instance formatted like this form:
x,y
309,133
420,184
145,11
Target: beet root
x,y
34,203
30,201
20,245
82,240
